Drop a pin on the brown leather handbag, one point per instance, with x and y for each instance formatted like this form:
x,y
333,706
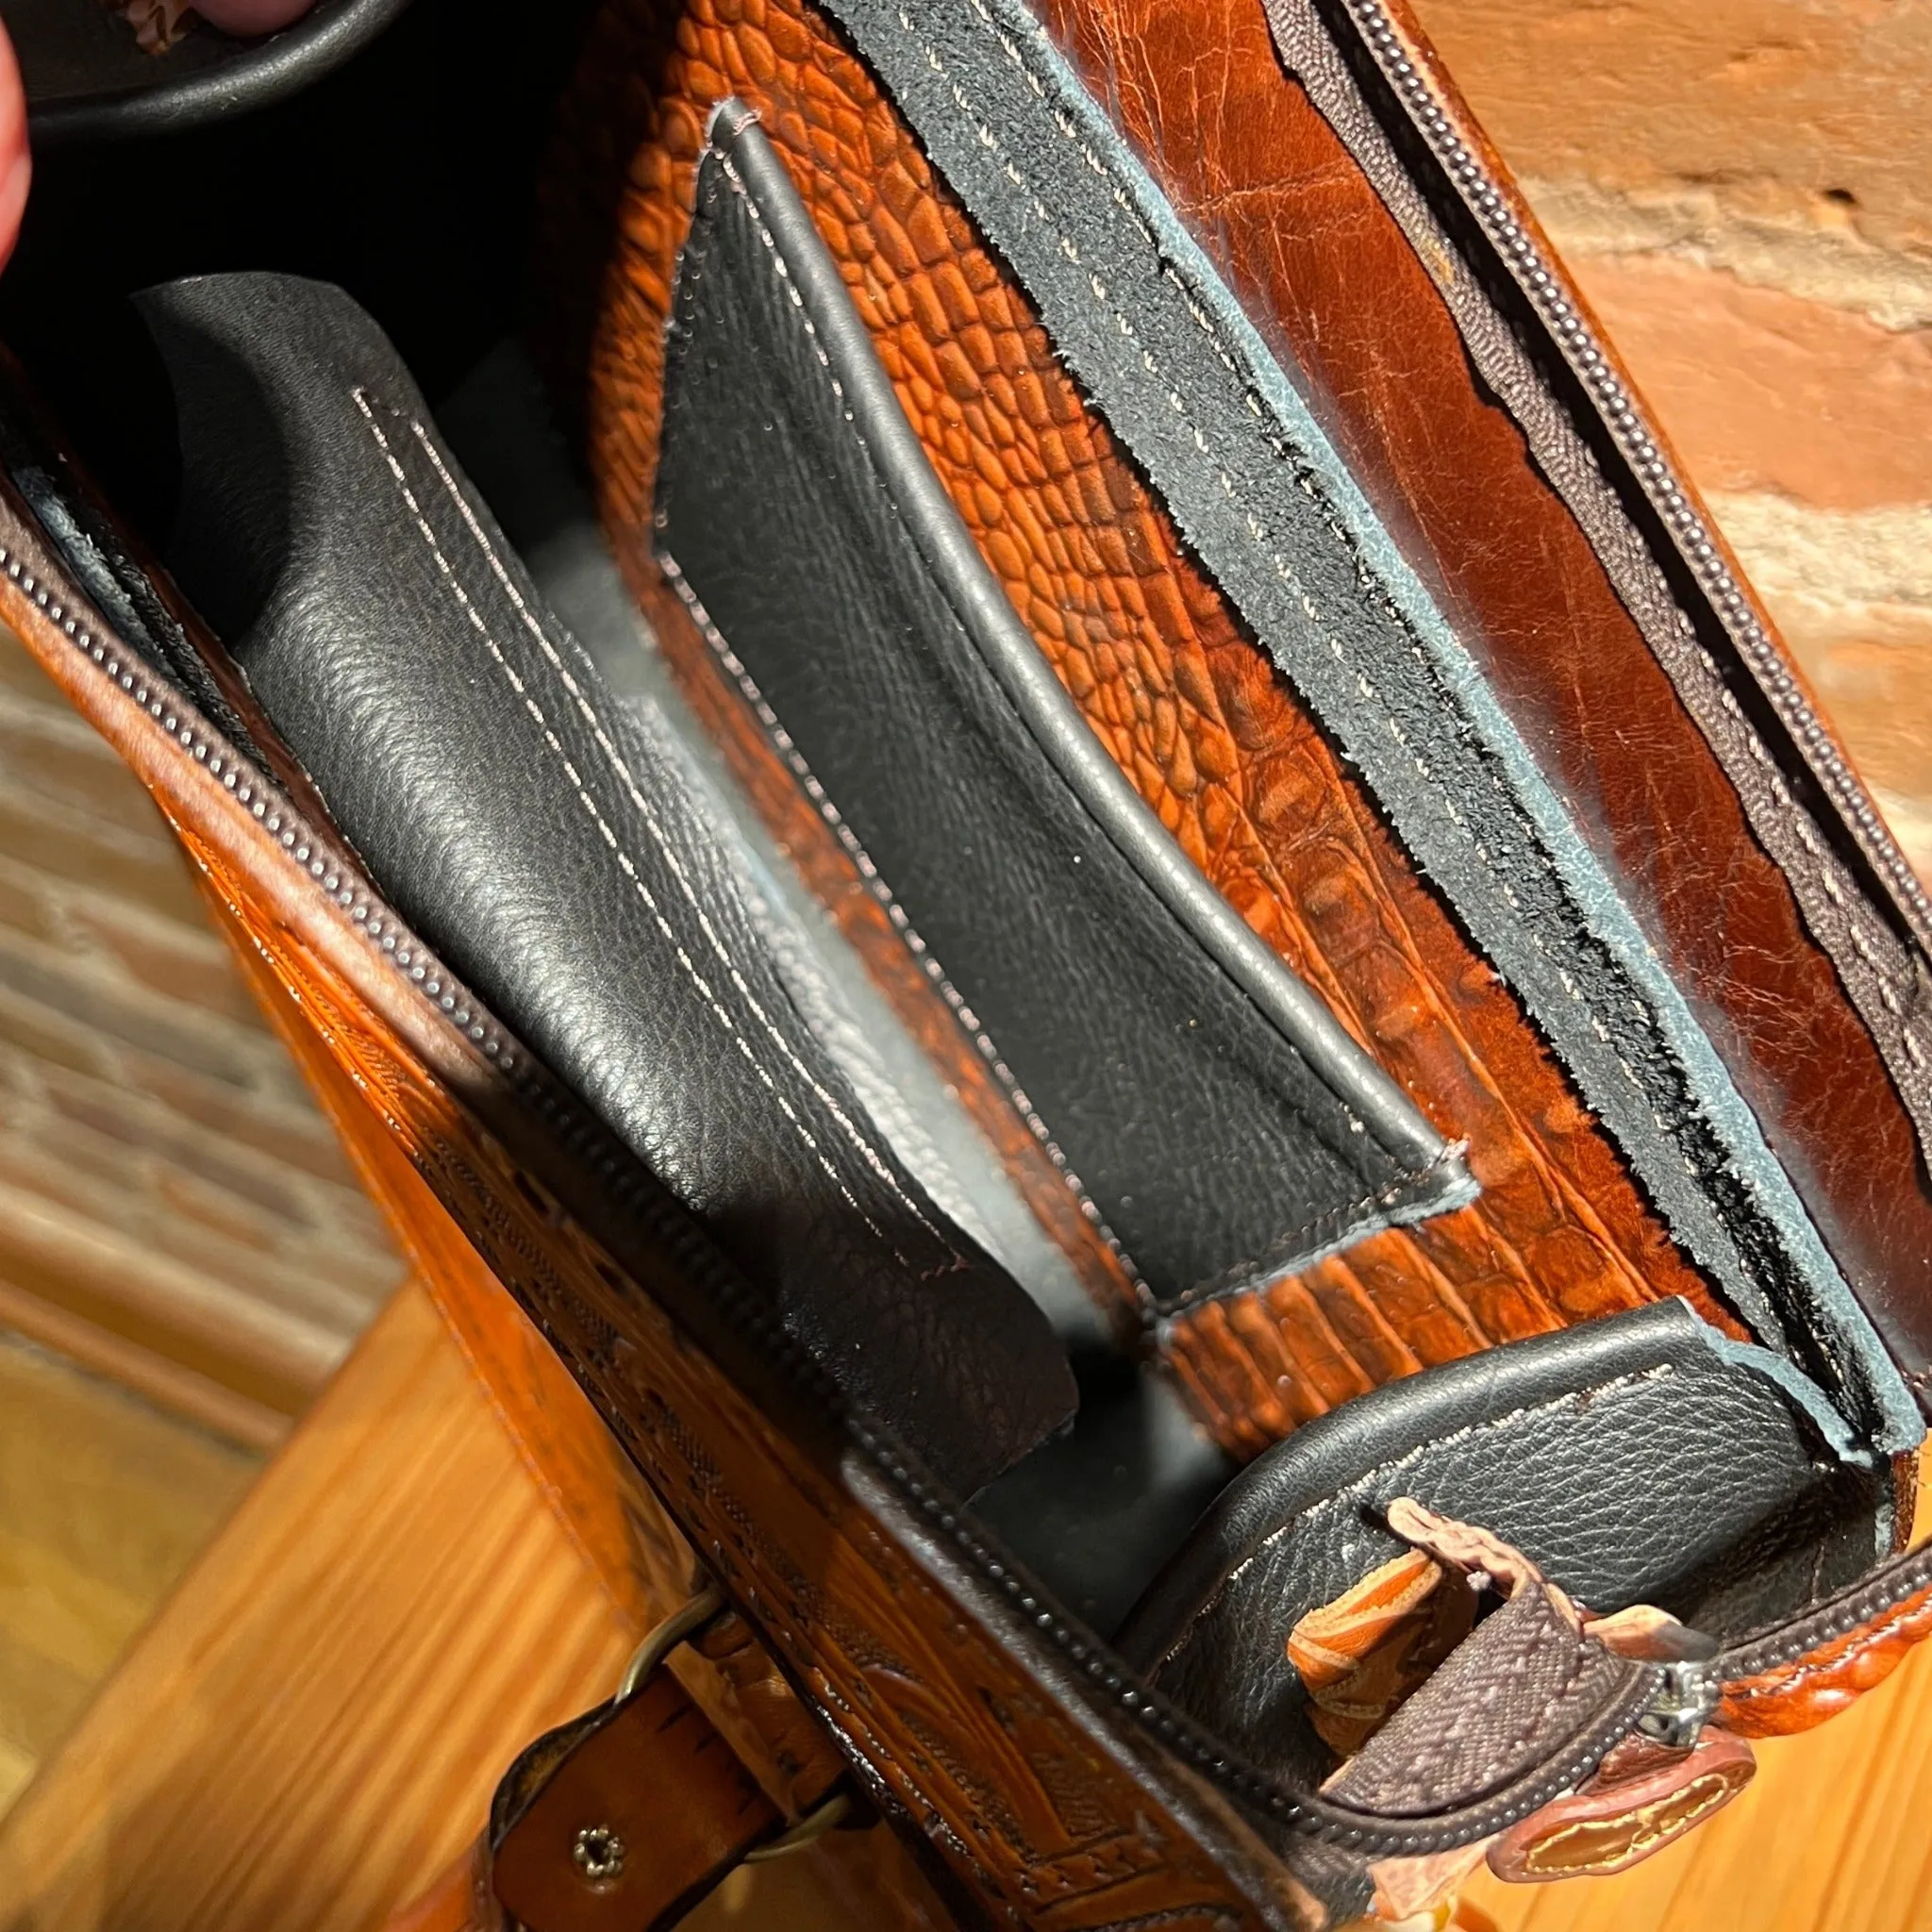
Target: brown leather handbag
x,y
1048,817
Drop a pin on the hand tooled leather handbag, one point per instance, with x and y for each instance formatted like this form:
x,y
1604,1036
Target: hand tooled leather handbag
x,y
1136,947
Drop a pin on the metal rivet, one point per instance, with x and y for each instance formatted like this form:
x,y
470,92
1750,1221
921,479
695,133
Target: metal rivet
x,y
597,1852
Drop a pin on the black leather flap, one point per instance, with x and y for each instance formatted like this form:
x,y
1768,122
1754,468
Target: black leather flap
x,y
559,850
1644,1458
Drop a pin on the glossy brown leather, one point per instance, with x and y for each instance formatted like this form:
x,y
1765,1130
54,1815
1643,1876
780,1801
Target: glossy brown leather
x,y
674,1807
1269,191
1188,703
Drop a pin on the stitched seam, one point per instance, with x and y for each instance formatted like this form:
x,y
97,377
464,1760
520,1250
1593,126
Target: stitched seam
x,y
1151,1306
358,901
624,859
1261,1278
618,763
1255,531
1154,1306
1335,1219
1528,266
969,1021
876,1161
1327,1505
1845,919
1637,1003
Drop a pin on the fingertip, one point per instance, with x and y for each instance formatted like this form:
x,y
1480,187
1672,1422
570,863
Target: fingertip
x,y
249,17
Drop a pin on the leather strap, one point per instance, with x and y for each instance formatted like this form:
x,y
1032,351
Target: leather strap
x,y
624,1818
1814,1666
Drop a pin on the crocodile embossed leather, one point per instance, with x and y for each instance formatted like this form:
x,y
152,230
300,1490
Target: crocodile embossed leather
x,y
1246,1189
1153,655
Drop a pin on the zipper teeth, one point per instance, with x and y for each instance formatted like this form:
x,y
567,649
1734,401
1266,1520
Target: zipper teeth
x,y
1910,1577
1532,272
326,867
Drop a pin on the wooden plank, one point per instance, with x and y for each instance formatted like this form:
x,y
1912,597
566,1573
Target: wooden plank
x,y
173,1212
308,1736
311,1729
105,1503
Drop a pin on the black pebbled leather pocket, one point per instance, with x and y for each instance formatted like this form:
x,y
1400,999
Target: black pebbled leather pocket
x,y
1219,1127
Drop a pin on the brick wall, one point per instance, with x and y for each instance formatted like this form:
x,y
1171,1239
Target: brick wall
x,y
1744,190
173,1209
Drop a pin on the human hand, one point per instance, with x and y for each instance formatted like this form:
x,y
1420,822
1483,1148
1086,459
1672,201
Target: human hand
x,y
16,167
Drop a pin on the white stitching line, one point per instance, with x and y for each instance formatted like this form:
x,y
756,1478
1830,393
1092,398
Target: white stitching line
x,y
610,839
930,965
1642,1008
1256,532
1337,1219
1154,1309
615,759
1350,1491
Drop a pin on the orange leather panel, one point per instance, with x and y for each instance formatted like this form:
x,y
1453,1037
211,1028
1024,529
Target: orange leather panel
x,y
1188,705
1806,1693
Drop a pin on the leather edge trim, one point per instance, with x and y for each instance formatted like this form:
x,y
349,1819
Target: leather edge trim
x,y
246,80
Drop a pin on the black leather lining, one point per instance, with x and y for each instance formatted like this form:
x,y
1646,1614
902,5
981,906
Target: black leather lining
x,y
556,850
384,621
1219,1124
1638,1460
1163,348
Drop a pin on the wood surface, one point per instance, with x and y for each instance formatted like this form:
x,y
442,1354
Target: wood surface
x,y
308,1733
104,1501
311,1729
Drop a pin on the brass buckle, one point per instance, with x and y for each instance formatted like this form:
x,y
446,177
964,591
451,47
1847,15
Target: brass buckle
x,y
705,1607
689,1621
